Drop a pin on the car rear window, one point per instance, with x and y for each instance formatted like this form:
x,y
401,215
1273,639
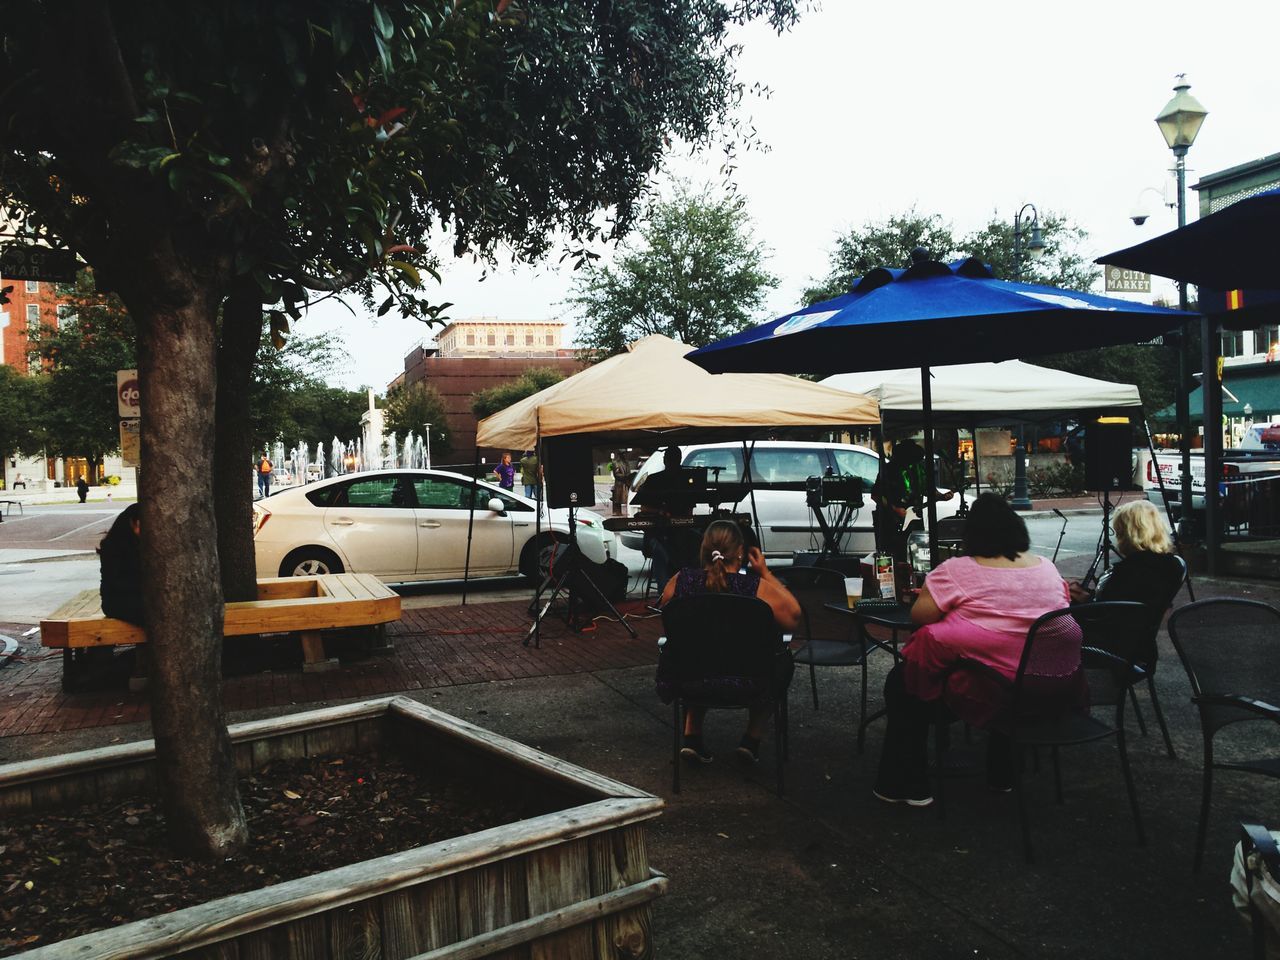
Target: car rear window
x,y
723,465
787,465
322,497
855,463
373,492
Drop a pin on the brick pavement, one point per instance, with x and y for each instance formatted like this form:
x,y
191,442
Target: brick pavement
x,y
433,647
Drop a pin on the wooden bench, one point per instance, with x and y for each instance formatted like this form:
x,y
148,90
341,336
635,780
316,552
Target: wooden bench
x,y
302,605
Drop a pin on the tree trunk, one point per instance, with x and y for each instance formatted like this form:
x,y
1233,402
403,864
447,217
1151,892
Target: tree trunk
x,y
233,441
181,590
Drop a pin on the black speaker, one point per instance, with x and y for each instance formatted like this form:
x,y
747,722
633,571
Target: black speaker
x,y
569,470
1108,457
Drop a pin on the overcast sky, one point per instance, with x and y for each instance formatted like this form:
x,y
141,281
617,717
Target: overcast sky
x,y
960,109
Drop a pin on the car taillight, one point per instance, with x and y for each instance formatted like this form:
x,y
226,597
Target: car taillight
x,y
1230,470
260,517
1151,473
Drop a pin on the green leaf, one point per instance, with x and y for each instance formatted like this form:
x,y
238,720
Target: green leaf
x,y
387,304
408,269
383,23
234,184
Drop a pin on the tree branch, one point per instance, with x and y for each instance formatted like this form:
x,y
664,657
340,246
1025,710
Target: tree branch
x,y
97,15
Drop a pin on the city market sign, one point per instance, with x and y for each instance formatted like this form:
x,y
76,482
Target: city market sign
x,y
30,261
1119,280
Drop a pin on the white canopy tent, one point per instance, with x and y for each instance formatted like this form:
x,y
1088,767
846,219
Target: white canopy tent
x,y
966,394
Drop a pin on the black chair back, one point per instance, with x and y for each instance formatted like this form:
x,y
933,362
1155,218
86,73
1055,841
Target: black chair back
x,y
814,588
1228,647
718,635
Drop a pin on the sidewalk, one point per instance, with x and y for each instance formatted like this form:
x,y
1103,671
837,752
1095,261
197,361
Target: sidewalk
x,y
827,872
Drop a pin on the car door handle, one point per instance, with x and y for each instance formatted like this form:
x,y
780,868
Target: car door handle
x,y
342,522
430,524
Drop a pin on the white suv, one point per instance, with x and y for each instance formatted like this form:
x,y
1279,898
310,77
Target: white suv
x,y
780,468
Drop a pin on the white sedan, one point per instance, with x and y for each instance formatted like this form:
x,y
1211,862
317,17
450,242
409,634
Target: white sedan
x,y
403,525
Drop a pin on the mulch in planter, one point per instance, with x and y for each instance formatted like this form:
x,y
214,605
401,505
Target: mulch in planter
x,y
70,872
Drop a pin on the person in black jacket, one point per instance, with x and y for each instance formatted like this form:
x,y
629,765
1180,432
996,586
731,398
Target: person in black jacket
x,y
1149,571
121,557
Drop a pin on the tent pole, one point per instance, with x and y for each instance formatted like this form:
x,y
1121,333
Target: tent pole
x,y
931,507
471,520
1164,497
751,489
538,579
1211,391
977,472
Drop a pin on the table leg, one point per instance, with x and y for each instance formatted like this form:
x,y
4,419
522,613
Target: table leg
x,y
314,660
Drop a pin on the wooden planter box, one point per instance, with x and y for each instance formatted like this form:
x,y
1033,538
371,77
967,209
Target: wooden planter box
x,y
572,883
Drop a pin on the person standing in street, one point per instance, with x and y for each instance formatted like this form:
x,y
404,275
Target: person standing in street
x,y
621,482
82,488
529,474
264,476
505,471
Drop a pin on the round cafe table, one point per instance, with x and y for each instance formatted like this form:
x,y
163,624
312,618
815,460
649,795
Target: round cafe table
x,y
889,615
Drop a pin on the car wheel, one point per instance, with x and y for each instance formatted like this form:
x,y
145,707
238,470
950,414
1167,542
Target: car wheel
x,y
535,558
310,562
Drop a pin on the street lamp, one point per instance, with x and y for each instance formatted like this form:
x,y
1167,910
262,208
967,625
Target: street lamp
x,y
1179,122
428,446
1035,249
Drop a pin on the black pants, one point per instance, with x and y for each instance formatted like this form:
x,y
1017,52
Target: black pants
x,y
904,759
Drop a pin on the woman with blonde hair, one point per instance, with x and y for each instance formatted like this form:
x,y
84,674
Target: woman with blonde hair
x,y
722,556
1149,571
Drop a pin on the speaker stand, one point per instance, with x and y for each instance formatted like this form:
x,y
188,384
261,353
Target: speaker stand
x,y
572,574
1103,555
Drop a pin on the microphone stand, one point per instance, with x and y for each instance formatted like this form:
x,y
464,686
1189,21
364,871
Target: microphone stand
x,y
1061,533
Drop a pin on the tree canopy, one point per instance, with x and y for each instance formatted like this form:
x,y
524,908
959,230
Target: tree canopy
x,y
485,403
889,243
20,406
411,408
694,273
78,360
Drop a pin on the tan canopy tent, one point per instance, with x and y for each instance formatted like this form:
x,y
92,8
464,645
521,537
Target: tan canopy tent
x,y
653,389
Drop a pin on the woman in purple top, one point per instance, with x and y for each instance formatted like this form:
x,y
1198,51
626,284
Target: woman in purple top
x,y
722,555
505,471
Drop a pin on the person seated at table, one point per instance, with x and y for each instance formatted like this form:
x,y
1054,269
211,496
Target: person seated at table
x,y
723,554
120,554
975,607
1148,571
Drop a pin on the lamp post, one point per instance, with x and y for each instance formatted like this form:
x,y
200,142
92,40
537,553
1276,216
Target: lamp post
x,y
428,446
1179,122
1035,248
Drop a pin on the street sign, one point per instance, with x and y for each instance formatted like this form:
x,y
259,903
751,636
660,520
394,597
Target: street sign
x,y
131,442
128,398
30,261
1119,280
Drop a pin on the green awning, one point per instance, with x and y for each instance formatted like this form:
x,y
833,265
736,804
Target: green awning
x,y
1257,385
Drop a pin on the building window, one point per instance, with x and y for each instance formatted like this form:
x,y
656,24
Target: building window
x,y
471,339
1232,343
65,314
493,339
1268,338
33,286
528,339
33,316
551,339
511,339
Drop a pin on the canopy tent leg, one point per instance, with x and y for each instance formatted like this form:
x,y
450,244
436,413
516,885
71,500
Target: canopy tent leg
x,y
977,470
931,507
751,488
471,519
1164,497
1211,390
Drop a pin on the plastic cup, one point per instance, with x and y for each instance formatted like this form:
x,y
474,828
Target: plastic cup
x,y
852,591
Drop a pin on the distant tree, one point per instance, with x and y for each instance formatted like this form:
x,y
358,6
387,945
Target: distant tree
x,y
21,409
884,243
1064,262
321,412
300,365
485,403
80,358
412,408
694,274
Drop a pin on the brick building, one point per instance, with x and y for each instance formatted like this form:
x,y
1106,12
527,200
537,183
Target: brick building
x,y
473,355
32,304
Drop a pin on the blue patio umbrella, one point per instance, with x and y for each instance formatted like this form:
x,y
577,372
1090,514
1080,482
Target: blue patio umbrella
x,y
1236,248
934,314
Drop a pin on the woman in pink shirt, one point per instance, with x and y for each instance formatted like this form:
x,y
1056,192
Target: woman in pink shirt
x,y
977,607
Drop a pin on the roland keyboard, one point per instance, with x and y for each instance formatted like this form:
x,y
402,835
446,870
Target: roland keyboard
x,y
618,524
